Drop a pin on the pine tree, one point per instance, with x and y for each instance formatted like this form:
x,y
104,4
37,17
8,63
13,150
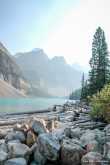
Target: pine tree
x,y
99,63
82,87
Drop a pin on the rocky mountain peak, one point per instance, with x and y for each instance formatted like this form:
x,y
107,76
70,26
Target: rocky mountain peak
x,y
59,59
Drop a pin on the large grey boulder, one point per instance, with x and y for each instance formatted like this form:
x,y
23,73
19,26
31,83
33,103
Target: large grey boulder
x,y
71,152
48,146
93,140
92,158
18,150
87,137
38,126
18,135
16,161
3,157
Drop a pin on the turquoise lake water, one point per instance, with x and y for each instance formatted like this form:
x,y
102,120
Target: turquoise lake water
x,y
28,104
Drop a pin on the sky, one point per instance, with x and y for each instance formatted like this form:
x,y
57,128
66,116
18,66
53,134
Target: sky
x,y
60,27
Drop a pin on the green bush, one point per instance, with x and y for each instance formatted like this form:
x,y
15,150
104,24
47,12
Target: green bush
x,y
100,104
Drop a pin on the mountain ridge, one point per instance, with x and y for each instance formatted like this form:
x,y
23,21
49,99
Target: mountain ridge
x,y
53,74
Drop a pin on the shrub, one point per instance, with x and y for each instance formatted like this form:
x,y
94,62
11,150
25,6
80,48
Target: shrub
x,y
100,104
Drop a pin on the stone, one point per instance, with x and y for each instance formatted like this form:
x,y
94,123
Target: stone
x,y
18,135
91,135
75,133
107,133
50,125
31,138
3,133
38,126
3,146
21,127
87,137
58,134
48,146
67,131
107,150
93,146
39,158
33,163
71,152
3,157
92,158
107,129
33,148
18,150
16,161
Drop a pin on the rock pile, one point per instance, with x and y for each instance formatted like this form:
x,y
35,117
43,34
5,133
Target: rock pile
x,y
74,139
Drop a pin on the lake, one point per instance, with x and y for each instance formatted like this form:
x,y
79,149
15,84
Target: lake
x,y
28,104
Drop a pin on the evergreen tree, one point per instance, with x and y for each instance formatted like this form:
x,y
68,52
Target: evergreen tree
x,y
99,63
82,86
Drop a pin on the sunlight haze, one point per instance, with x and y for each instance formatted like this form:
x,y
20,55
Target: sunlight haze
x,y
61,28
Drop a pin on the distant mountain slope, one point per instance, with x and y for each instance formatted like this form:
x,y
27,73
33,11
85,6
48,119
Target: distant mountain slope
x,y
54,75
10,73
7,90
9,70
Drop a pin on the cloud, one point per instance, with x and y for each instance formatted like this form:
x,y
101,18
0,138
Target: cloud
x,y
72,38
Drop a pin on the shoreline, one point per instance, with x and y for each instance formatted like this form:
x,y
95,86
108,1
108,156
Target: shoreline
x,y
61,135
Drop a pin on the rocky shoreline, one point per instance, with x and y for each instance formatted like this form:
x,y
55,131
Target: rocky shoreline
x,y
65,135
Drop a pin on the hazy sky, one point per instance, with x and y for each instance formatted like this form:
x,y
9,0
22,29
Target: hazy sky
x,y
60,27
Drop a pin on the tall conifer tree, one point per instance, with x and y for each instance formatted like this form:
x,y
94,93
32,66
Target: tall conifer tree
x,y
99,63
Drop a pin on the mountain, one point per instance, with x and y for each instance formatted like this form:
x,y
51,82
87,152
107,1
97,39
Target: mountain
x,y
9,70
7,91
12,80
54,75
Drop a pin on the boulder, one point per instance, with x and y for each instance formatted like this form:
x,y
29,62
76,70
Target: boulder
x,y
30,139
107,129
16,161
21,127
92,158
38,126
3,133
87,137
76,132
93,146
58,134
18,135
3,146
50,125
67,131
91,136
107,132
71,152
18,150
39,158
33,163
48,146
107,150
33,148
3,157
